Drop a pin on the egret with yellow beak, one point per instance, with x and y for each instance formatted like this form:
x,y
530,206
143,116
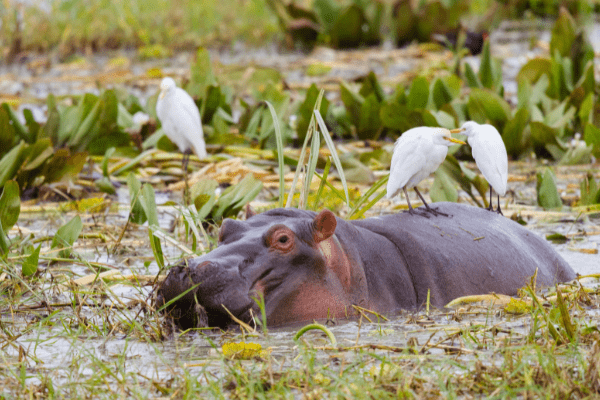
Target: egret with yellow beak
x,y
417,153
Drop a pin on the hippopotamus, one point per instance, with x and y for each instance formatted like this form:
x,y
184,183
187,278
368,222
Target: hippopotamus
x,y
304,265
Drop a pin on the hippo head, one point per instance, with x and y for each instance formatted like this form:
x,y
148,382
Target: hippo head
x,y
291,258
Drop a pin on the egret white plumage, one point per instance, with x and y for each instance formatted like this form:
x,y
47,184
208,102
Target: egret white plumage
x,y
417,153
180,120
490,155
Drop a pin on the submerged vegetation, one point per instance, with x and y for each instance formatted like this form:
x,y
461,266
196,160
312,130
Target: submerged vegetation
x,y
77,261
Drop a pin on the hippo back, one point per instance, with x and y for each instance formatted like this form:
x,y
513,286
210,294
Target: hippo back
x,y
474,251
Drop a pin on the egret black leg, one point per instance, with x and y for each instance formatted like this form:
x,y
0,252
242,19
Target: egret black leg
x,y
429,209
490,208
411,210
499,211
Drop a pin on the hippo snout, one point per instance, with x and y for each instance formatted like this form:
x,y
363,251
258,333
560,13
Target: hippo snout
x,y
199,295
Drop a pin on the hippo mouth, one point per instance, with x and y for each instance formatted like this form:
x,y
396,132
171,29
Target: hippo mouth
x,y
204,296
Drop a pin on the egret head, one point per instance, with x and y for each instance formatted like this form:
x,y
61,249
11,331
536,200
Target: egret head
x,y
469,128
442,136
166,86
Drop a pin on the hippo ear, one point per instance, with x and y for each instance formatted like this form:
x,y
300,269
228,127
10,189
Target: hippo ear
x,y
324,226
250,212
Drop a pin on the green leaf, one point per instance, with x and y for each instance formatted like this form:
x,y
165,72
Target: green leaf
x,y
148,202
203,196
346,32
545,137
590,192
485,105
279,138
440,94
30,264
371,85
369,124
512,135
305,111
19,129
235,197
10,205
591,136
352,101
563,34
418,96
486,74
202,74
137,213
547,194
4,242
106,160
7,132
10,163
534,69
470,77
443,188
66,235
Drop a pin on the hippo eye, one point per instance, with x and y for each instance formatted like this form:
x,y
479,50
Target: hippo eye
x,y
283,239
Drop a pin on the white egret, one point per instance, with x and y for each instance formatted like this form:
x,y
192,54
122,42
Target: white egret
x,y
417,153
490,155
180,120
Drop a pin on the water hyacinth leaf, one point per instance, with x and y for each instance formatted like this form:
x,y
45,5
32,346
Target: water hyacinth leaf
x,y
370,85
39,152
352,101
563,34
204,197
63,163
512,135
124,117
279,140
210,103
590,191
443,188
66,235
369,123
485,105
471,77
148,202
591,136
30,264
577,153
81,134
11,161
137,213
202,74
33,127
440,93
333,151
486,75
547,193
106,159
235,197
418,96
346,32
534,69
326,10
10,205
7,132
305,111
4,242
19,129
544,139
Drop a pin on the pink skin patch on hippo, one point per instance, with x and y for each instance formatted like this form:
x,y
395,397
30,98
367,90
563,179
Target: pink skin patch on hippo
x,y
336,260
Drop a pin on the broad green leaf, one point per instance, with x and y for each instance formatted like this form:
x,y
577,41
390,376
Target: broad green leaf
x,y
39,152
106,160
305,111
11,161
534,69
443,188
148,202
579,153
418,97
485,105
30,264
66,235
210,103
486,74
545,137
33,127
352,100
591,136
10,205
440,93
19,129
371,85
327,11
547,194
563,34
369,124
585,110
203,196
4,242
201,74
124,118
137,213
235,197
63,163
590,192
346,32
471,77
512,135
7,132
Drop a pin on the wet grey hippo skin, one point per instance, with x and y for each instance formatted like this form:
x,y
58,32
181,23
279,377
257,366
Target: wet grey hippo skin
x,y
308,265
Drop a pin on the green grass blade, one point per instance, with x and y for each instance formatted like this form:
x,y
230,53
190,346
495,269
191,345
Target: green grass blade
x,y
279,140
312,165
381,182
336,159
322,184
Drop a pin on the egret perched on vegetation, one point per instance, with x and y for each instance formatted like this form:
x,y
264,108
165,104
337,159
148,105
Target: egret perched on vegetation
x,y
418,153
180,120
490,155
